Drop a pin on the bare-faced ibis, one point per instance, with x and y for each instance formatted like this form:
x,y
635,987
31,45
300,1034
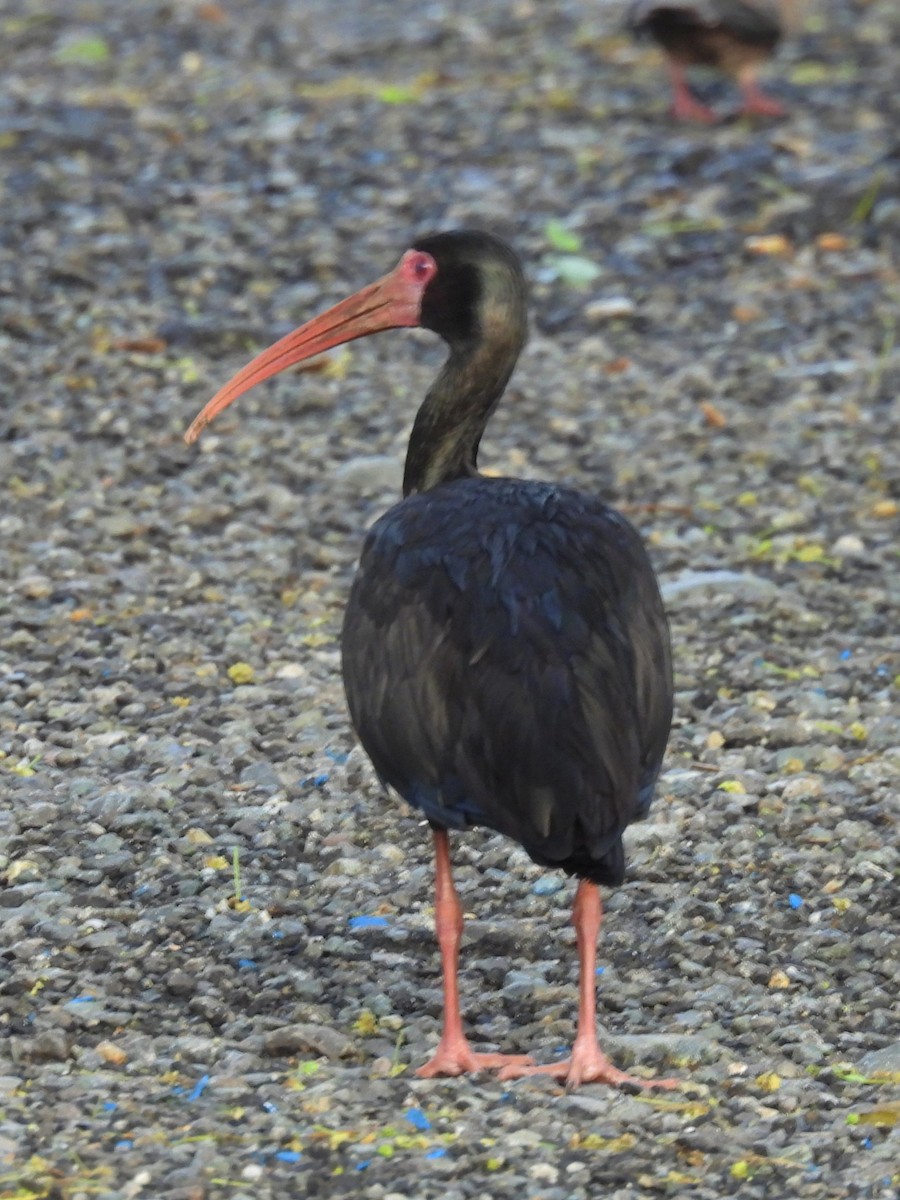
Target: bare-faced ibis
x,y
505,651
735,36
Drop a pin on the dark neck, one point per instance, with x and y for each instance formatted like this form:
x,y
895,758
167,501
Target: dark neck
x,y
444,441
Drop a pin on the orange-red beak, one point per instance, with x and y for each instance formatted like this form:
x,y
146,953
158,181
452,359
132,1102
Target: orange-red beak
x,y
391,302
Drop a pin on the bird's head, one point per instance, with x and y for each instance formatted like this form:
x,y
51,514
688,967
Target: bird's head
x,y
461,285
477,281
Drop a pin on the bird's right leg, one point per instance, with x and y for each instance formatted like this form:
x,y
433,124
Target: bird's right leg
x,y
685,105
454,1055
587,1063
756,101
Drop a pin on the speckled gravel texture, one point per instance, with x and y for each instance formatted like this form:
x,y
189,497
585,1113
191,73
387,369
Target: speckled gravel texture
x,y
714,347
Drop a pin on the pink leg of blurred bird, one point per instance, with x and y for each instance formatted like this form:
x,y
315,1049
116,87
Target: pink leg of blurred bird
x,y
587,1063
454,1055
756,102
685,105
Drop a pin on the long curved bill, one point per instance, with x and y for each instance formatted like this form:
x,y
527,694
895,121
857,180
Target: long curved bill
x,y
391,302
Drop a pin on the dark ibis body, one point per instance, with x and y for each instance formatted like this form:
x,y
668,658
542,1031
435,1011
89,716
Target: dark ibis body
x,y
735,36
505,650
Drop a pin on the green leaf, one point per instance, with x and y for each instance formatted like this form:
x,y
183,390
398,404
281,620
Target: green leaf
x,y
393,94
561,238
573,269
810,72
86,50
805,74
868,199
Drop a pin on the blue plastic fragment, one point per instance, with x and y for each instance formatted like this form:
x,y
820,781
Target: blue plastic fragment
x,y
277,933
845,654
866,1143
289,1156
247,964
269,1107
199,1088
417,1118
361,1166
337,756
82,1000
123,1144
368,922
794,900
437,1152
109,1106
599,970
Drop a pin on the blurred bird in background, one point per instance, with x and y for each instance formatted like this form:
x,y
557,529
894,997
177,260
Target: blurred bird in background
x,y
733,36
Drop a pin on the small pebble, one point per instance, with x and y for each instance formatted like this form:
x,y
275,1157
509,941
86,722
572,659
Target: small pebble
x,y
548,885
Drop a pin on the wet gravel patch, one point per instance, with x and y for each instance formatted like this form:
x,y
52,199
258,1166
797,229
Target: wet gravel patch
x,y
714,346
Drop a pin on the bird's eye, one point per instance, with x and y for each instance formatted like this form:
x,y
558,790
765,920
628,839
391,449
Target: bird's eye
x,y
422,266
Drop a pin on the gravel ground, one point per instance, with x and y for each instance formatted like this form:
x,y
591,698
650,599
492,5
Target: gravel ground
x,y
714,347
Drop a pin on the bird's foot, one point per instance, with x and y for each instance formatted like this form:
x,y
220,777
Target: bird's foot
x,y
686,107
587,1064
758,104
454,1056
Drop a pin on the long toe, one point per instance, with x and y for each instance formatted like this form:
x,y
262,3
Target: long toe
x,y
460,1059
686,108
762,105
586,1065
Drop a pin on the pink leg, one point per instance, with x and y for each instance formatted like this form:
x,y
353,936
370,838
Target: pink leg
x,y
587,1063
756,102
454,1055
685,105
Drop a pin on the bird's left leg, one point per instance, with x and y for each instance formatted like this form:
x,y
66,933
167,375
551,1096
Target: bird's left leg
x,y
454,1055
587,1063
756,101
685,105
